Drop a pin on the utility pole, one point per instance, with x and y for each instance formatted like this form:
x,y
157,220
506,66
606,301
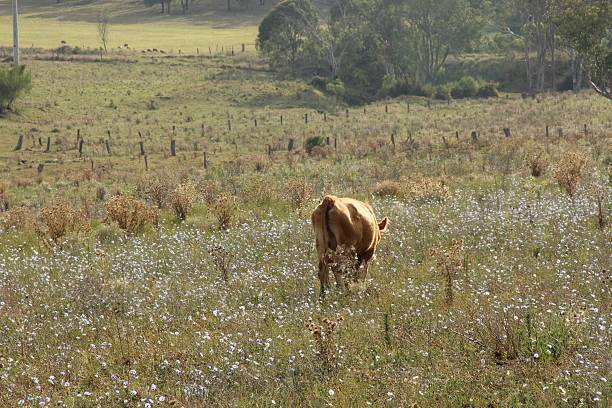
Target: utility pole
x,y
15,34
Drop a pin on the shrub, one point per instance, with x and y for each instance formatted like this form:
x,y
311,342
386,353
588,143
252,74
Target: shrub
x,y
568,171
442,92
4,203
17,218
59,219
155,188
487,91
537,163
394,88
225,209
449,262
319,82
181,200
466,87
14,82
298,192
312,142
416,189
325,334
129,213
336,87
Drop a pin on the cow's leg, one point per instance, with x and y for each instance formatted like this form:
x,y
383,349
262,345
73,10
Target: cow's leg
x,y
323,278
365,263
339,279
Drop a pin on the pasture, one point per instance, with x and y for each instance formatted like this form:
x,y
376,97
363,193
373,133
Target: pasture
x,y
491,287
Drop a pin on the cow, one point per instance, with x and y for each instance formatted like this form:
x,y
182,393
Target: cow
x,y
341,223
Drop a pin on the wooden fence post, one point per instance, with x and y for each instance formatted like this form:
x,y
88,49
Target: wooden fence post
x,y
108,149
19,143
229,125
242,47
546,131
306,118
48,149
474,136
146,161
506,132
81,142
457,134
205,161
173,147
40,168
290,145
142,151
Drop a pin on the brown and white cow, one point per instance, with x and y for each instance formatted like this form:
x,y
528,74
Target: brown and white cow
x,y
345,223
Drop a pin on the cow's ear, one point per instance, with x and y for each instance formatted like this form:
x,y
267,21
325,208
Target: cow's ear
x,y
382,225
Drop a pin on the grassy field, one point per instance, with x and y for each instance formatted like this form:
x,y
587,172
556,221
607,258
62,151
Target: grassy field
x,y
491,288
47,24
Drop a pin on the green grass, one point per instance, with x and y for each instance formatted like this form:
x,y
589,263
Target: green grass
x,y
46,24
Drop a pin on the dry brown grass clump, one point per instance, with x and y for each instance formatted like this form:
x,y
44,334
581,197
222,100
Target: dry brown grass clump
x,y
129,213
181,199
59,219
325,333
569,171
225,210
416,189
4,204
298,192
17,218
155,188
449,262
599,194
537,163
222,260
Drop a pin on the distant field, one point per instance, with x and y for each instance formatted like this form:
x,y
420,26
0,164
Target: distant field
x,y
48,33
208,24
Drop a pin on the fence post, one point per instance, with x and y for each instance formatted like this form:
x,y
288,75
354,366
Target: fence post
x,y
205,161
81,142
40,168
146,161
474,136
48,149
108,149
506,132
19,143
290,145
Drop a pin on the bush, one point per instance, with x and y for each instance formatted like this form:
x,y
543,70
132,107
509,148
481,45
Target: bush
x,y
225,210
488,91
466,87
129,213
394,88
568,171
335,87
59,219
312,142
14,82
442,92
181,200
319,82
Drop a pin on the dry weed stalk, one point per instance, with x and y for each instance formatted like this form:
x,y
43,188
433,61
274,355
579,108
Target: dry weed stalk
x,y
449,262
325,333
599,193
222,260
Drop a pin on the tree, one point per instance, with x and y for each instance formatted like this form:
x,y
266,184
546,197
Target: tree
x,y
14,82
584,26
439,28
103,29
284,33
